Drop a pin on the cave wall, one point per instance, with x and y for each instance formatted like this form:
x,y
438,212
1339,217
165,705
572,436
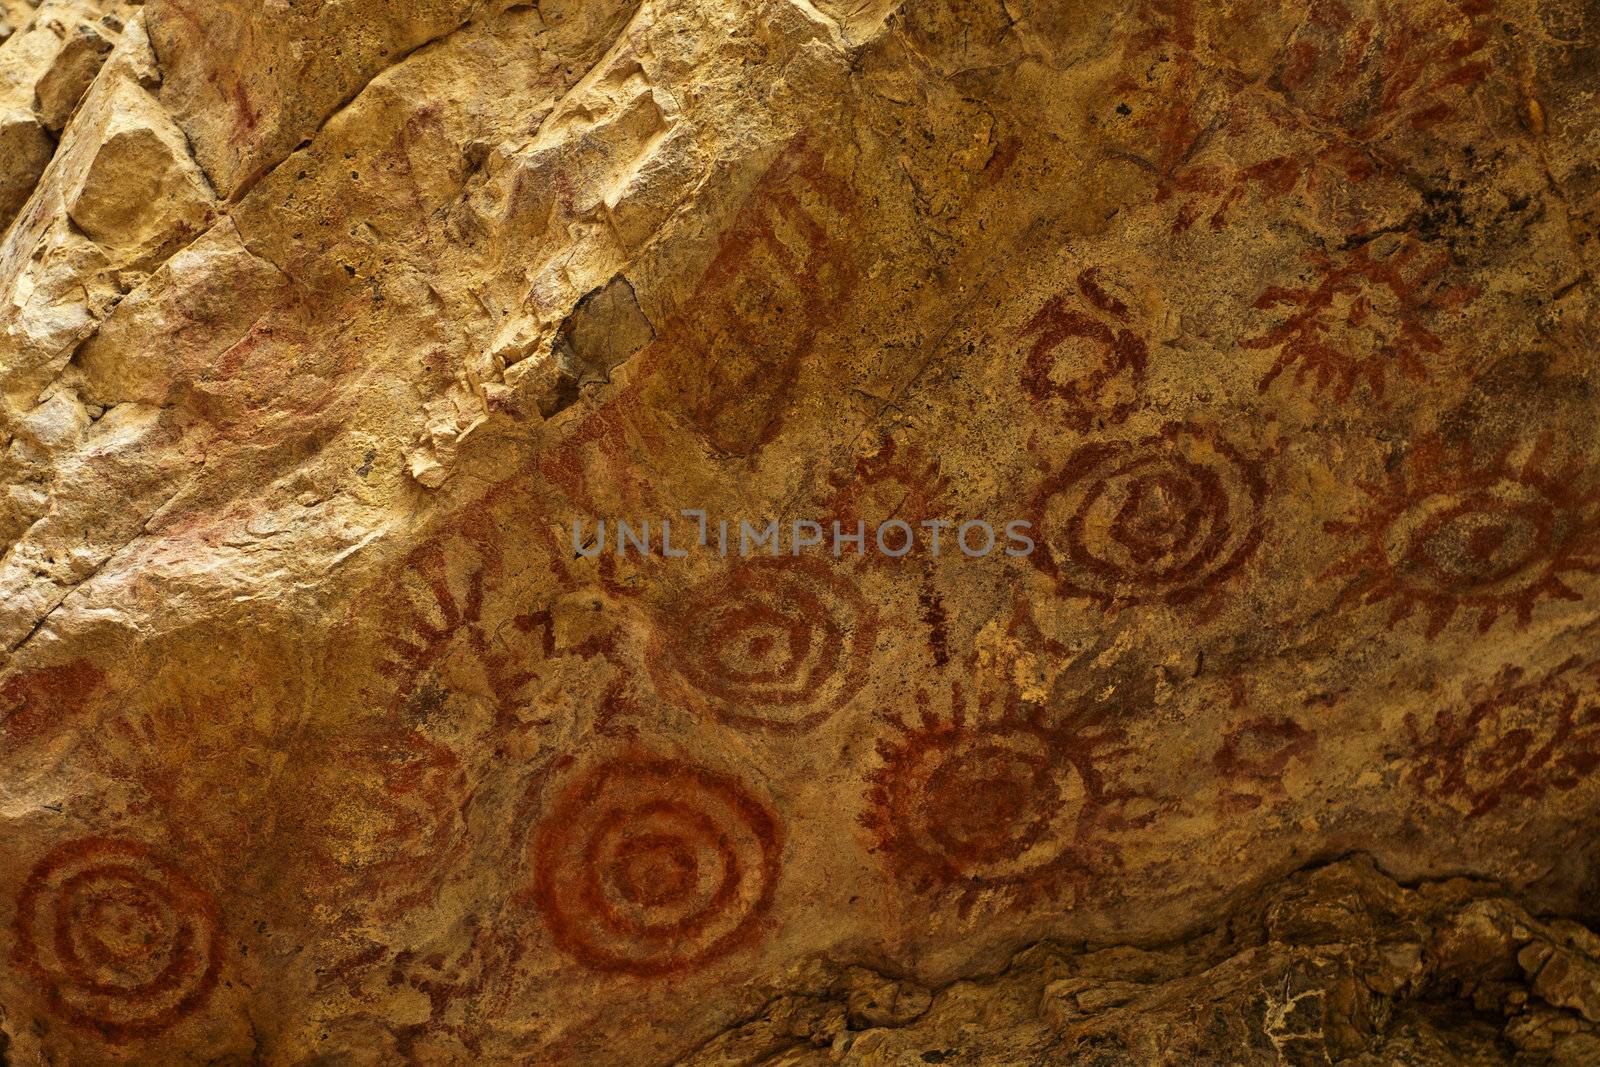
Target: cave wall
x,y
324,739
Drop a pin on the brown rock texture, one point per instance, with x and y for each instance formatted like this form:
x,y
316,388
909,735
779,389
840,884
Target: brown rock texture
x,y
1261,334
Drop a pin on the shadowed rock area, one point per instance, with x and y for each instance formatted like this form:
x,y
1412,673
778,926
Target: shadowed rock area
x,y
783,533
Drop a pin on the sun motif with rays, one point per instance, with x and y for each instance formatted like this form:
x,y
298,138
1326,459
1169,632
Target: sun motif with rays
x,y
1366,316
994,800
1451,533
1513,739
459,624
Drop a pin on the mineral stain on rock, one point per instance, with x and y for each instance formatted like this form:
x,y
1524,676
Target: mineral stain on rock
x,y
605,329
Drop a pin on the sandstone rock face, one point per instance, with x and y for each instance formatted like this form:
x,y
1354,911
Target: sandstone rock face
x,y
46,69
1266,729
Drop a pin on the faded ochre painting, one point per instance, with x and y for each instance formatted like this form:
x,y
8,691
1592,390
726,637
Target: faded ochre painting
x,y
786,533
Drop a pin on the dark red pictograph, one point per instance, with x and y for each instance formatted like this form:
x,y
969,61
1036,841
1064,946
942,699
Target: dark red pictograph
x,y
466,617
1366,67
1517,738
596,461
1366,317
1354,85
1210,192
897,481
454,981
652,866
1085,360
1168,518
384,821
993,802
1253,757
1176,93
443,588
120,940
772,644
1451,532
1157,84
782,272
37,701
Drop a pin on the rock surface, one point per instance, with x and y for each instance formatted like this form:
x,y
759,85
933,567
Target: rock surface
x,y
331,732
1334,965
